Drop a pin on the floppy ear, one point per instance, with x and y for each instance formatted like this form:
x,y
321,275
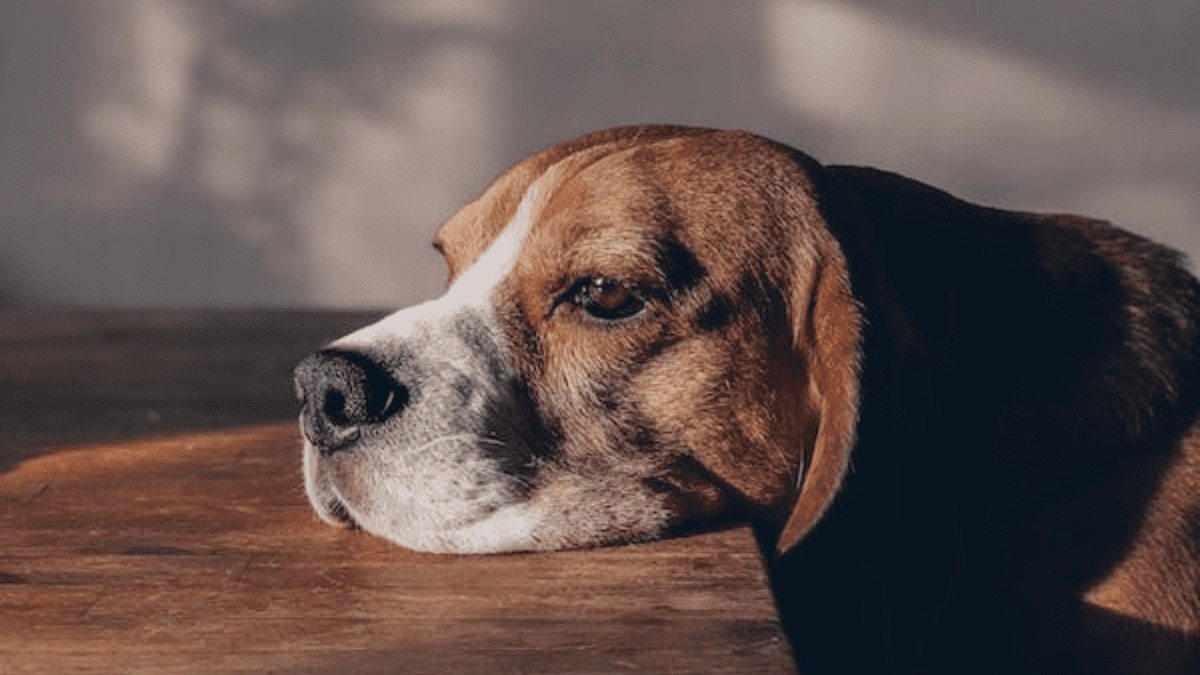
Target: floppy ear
x,y
827,325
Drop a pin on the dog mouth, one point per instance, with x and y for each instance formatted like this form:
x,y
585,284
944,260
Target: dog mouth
x,y
336,509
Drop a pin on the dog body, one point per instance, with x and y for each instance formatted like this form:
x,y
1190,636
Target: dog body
x,y
1025,492
982,424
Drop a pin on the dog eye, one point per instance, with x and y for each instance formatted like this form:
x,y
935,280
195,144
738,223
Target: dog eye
x,y
607,299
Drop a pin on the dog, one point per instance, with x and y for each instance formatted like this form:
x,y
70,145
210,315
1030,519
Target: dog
x,y
970,437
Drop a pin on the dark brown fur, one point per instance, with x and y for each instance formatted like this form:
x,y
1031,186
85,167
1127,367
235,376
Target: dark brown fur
x,y
1025,493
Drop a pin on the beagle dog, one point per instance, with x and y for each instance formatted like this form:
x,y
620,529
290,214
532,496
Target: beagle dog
x,y
970,437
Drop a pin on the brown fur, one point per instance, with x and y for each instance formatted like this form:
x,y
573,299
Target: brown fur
x,y
973,432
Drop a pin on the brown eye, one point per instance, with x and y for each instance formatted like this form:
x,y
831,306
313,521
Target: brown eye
x,y
607,299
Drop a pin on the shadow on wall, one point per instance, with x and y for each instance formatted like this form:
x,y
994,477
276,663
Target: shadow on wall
x,y
13,289
303,152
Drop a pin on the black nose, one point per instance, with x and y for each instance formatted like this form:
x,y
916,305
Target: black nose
x,y
344,392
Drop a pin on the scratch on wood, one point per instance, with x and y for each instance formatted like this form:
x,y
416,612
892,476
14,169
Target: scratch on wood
x,y
37,492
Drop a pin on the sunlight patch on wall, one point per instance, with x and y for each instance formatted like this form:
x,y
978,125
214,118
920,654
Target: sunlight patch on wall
x,y
393,175
981,122
136,122
483,15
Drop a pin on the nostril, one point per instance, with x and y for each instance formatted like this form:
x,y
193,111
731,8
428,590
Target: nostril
x,y
384,400
334,408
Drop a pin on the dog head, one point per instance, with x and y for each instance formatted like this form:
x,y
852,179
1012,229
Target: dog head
x,y
646,329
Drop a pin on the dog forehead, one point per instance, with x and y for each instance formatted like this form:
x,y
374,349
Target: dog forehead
x,y
639,209
469,231
611,201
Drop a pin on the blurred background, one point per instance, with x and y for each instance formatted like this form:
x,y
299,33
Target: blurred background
x,y
302,152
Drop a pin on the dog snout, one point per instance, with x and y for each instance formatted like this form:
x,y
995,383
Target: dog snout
x,y
342,394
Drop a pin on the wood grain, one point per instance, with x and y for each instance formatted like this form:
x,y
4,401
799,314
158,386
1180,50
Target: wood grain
x,y
181,541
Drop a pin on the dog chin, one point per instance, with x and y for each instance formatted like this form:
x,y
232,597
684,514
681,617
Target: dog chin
x,y
509,529
505,529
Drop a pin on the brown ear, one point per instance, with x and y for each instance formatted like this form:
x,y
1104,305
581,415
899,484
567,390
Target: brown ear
x,y
827,329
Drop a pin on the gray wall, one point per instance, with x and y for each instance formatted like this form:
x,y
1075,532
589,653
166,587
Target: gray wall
x,y
302,153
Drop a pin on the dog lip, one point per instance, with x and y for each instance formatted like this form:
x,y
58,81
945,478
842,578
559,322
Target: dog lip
x,y
336,509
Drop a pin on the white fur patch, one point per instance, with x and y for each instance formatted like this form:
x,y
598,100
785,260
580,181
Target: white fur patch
x,y
510,529
415,502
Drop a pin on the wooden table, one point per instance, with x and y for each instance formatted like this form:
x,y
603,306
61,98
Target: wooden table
x,y
152,518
